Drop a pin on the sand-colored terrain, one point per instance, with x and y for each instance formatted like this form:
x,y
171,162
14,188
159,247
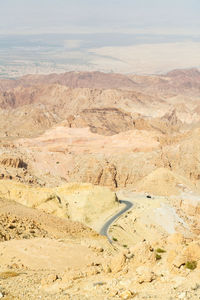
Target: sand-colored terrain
x,y
80,202
164,182
71,146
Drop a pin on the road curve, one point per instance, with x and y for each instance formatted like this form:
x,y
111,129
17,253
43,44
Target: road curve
x,y
105,228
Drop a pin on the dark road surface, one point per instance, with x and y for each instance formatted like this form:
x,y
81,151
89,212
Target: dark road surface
x,y
105,228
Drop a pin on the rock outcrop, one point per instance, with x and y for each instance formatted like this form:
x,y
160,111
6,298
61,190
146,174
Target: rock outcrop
x,y
105,121
80,202
14,162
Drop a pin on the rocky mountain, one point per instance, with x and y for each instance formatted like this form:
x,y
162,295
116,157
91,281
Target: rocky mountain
x,y
183,82
71,146
181,79
97,80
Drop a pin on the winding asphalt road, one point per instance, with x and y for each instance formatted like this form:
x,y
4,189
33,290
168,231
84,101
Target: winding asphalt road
x,y
105,228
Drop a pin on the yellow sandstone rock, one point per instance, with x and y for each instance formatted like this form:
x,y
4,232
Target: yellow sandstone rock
x,y
80,202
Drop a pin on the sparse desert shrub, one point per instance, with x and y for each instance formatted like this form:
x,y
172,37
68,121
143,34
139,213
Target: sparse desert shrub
x,y
191,265
114,239
160,250
125,246
158,256
5,275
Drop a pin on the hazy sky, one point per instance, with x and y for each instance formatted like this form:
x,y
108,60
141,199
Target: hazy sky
x,y
154,16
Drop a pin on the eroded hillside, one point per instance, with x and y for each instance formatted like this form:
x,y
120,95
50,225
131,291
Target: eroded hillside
x,y
71,147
